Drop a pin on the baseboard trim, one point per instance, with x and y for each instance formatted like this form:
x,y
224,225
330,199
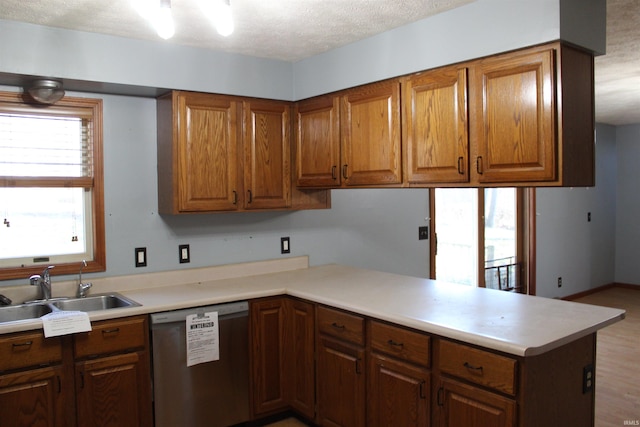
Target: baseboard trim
x,y
601,288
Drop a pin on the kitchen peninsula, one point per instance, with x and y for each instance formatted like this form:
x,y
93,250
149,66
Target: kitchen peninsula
x,y
508,359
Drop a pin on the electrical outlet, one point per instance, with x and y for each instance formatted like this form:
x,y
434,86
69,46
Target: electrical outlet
x,y
423,233
285,248
588,378
184,255
559,282
141,257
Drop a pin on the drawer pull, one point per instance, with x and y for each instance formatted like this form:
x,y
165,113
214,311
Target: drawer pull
x,y
395,344
23,344
111,331
337,326
472,367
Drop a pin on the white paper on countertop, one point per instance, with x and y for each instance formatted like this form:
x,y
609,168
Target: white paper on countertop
x,y
65,322
203,344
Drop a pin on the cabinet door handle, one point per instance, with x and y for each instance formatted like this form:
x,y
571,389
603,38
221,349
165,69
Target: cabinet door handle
x,y
235,197
59,384
250,196
81,379
344,171
22,344
337,326
422,391
358,370
460,166
440,393
472,367
479,165
395,344
334,176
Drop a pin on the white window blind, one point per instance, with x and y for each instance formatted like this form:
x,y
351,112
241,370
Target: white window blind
x,y
44,146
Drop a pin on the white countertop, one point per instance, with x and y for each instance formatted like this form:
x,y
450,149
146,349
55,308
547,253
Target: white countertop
x,y
513,323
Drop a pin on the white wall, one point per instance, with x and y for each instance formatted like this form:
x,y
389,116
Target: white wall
x,y
628,205
568,246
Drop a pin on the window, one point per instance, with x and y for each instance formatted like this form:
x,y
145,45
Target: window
x,y
51,186
481,237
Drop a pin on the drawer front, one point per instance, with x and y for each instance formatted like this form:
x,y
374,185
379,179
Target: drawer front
x,y
28,349
478,366
339,324
111,336
401,343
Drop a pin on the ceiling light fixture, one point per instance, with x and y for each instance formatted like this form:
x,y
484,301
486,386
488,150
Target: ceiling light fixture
x,y
219,12
164,20
46,91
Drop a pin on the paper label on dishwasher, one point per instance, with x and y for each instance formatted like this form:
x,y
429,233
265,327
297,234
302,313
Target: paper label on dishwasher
x,y
203,344
65,322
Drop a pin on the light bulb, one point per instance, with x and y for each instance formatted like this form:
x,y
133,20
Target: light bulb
x,y
224,19
164,21
219,13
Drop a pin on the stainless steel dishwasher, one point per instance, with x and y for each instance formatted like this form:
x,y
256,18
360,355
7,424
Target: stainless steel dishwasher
x,y
211,394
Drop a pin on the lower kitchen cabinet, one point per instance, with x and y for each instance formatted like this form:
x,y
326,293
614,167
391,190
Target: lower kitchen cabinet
x,y
112,377
282,336
463,405
34,398
341,383
300,356
113,374
398,393
267,320
111,391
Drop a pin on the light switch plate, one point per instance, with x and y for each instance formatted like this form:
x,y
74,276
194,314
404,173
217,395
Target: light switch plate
x,y
184,254
141,257
285,248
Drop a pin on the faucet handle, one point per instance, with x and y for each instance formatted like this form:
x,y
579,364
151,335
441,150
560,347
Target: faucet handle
x,y
35,280
83,288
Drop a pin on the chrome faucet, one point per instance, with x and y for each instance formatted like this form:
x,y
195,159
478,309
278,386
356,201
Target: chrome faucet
x,y
83,288
43,281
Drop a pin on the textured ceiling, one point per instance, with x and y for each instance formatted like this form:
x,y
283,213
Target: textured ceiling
x,y
618,72
294,29
282,29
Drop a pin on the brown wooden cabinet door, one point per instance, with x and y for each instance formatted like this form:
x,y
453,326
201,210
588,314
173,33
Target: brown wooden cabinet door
x,y
114,391
370,133
436,140
514,103
207,144
300,357
267,155
267,320
318,142
341,383
34,398
462,405
399,393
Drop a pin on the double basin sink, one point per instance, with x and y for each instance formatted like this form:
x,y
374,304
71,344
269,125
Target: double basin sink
x,y
36,309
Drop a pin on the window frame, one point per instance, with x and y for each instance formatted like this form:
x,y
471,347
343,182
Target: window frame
x,y
526,241
92,106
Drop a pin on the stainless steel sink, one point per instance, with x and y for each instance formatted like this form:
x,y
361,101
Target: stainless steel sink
x,y
95,303
36,309
13,313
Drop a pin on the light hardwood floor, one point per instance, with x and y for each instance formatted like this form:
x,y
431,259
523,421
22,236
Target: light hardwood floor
x,y
618,360
617,364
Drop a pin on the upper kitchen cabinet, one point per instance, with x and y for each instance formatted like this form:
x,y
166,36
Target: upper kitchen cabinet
x,y
198,152
370,133
350,139
222,153
317,128
532,118
435,126
267,157
523,118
